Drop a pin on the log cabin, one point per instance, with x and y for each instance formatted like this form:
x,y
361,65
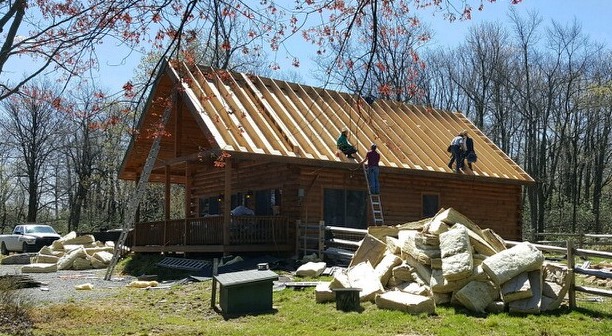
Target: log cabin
x,y
234,139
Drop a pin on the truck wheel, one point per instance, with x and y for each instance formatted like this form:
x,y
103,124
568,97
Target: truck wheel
x,y
25,247
3,249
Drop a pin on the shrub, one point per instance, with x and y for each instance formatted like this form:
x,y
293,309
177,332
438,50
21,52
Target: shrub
x,y
14,308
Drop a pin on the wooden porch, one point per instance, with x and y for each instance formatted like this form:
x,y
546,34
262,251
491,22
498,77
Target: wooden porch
x,y
243,234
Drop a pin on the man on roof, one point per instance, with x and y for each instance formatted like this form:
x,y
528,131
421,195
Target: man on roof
x,y
344,145
457,148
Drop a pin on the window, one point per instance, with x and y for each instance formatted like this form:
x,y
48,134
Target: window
x,y
265,200
346,208
430,205
209,206
261,201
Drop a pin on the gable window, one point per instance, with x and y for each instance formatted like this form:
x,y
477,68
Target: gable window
x,y
430,204
346,208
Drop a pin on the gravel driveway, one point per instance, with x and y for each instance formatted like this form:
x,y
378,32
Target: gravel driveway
x,y
60,286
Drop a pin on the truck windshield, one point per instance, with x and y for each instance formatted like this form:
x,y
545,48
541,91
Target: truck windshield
x,y
39,229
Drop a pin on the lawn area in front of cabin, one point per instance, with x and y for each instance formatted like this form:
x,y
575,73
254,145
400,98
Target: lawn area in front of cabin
x,y
186,310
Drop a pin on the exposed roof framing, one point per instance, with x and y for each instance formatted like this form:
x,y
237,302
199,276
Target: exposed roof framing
x,y
244,113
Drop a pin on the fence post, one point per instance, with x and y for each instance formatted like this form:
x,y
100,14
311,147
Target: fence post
x,y
213,296
570,273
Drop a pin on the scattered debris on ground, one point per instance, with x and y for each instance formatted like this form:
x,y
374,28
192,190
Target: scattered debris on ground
x,y
71,252
446,259
599,274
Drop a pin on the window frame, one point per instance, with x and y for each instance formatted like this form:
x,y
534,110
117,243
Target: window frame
x,y
423,205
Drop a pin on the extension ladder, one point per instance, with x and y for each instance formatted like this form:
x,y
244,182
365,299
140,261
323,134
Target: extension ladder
x,y
135,200
375,203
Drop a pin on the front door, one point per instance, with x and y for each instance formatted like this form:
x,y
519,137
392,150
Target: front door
x,y
345,208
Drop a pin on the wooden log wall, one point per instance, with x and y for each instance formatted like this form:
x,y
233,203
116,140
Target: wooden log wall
x,y
494,206
489,205
209,181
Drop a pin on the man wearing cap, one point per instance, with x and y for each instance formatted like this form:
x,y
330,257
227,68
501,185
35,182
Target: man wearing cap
x,y
457,148
344,145
372,157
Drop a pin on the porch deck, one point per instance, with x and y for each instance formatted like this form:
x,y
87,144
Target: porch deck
x,y
206,235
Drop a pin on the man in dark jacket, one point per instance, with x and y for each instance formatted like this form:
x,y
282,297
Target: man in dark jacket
x,y
470,154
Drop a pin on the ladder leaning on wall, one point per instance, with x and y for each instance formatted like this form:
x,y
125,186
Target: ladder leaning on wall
x,y
128,222
375,203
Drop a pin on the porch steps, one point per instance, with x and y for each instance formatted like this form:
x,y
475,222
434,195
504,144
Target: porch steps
x,y
183,264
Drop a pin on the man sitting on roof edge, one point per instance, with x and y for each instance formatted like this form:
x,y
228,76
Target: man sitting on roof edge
x,y
344,145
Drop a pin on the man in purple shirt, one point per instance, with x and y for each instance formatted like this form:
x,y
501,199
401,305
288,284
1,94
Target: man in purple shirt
x,y
372,157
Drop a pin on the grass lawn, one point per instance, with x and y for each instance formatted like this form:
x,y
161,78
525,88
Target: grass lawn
x,y
185,310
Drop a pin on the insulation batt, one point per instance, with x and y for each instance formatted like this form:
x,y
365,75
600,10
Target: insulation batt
x,y
509,263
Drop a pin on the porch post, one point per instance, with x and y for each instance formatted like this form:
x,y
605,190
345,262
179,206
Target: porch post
x,y
166,203
188,206
187,203
227,202
137,215
167,194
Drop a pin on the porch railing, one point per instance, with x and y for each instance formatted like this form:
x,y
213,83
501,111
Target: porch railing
x,y
243,230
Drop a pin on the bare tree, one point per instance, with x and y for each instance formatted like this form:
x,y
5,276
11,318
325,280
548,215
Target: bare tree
x,y
596,101
64,36
33,126
7,185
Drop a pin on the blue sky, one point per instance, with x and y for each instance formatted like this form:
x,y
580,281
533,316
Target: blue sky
x,y
592,15
118,66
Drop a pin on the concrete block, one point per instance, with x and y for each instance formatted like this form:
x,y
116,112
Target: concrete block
x,y
414,288
516,288
477,295
371,249
439,283
393,245
323,293
423,253
311,269
361,276
380,232
406,302
384,269
39,268
532,304
402,272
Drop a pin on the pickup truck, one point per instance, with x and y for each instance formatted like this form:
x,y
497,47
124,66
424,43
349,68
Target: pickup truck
x,y
28,238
